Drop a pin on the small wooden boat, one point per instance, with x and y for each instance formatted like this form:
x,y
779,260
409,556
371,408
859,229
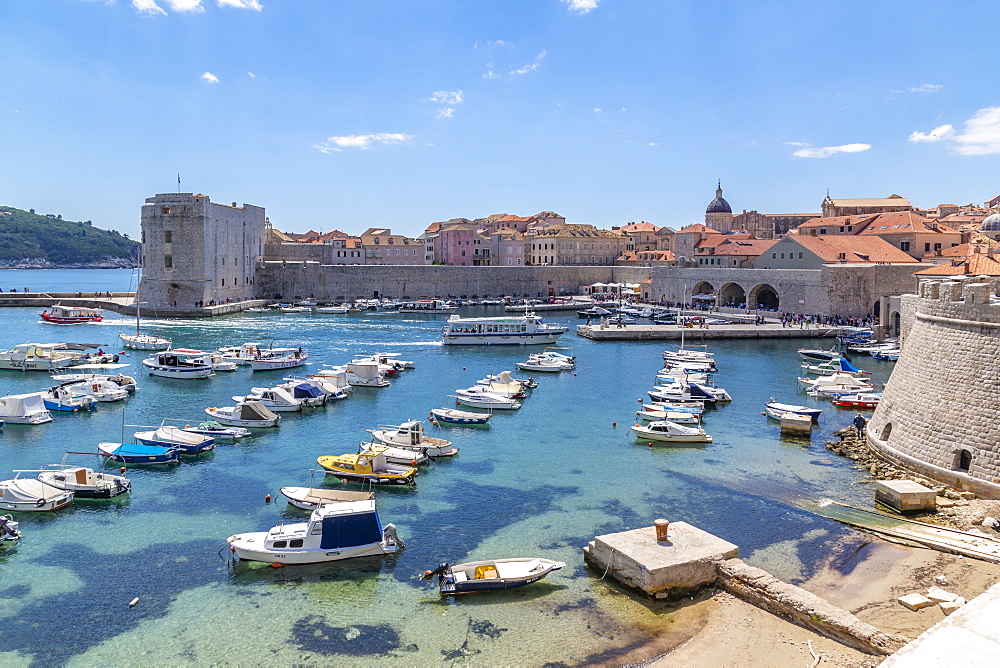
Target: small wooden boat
x,y
334,532
866,400
491,575
669,432
85,483
31,495
137,453
185,442
776,410
311,498
369,466
8,530
454,416
69,315
245,414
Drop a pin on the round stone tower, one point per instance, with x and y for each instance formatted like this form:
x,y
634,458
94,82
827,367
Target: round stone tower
x,y
719,215
940,411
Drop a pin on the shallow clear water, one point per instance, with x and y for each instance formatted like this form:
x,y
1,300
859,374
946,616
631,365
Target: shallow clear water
x,y
541,481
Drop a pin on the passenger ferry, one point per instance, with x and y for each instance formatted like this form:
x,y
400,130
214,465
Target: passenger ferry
x,y
68,315
517,330
427,306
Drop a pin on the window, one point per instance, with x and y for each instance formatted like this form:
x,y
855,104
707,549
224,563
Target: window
x,y
297,542
937,247
927,248
279,543
822,230
223,262
223,282
774,256
964,460
904,245
800,255
168,261
463,253
166,211
782,256
167,236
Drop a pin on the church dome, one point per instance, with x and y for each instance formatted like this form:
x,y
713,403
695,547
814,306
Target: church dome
x,y
991,224
719,205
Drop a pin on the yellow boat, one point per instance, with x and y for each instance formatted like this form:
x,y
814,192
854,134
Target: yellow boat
x,y
368,466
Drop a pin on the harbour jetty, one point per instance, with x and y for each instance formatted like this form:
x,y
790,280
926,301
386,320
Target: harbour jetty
x,y
735,330
122,303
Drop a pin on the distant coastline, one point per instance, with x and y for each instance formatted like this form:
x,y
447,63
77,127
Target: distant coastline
x,y
42,263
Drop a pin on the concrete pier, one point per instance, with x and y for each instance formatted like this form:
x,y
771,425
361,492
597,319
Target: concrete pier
x,y
674,333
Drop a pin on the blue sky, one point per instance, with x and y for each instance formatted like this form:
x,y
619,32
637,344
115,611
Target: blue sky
x,y
350,114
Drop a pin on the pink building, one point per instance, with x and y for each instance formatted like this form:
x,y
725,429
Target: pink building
x,y
507,248
461,245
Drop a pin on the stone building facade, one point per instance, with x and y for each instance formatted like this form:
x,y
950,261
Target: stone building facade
x,y
940,412
197,251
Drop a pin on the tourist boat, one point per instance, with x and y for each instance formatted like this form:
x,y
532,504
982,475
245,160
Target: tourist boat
x,y
71,315
820,355
677,417
138,453
170,365
40,357
245,414
270,359
842,365
334,532
525,329
357,374
275,399
669,432
24,409
411,436
491,575
454,416
368,466
213,359
100,390
487,400
860,400
8,530
64,398
85,483
778,410
426,306
32,495
311,498
307,394
127,383
186,443
219,432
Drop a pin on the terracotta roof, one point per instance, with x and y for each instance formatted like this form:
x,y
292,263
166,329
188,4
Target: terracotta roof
x,y
905,222
978,264
716,240
837,221
511,218
962,250
640,227
855,249
749,247
894,200
697,227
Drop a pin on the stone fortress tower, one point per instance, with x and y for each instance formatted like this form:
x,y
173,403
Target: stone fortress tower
x,y
940,412
195,251
719,215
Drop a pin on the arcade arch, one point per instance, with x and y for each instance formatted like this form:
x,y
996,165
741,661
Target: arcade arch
x,y
764,296
733,294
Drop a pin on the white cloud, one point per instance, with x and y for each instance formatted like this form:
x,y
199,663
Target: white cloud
x,y
926,88
827,151
981,135
251,75
582,6
185,5
653,143
494,44
796,143
490,73
937,134
210,78
241,4
447,97
147,7
532,67
598,110
362,142
445,113
623,109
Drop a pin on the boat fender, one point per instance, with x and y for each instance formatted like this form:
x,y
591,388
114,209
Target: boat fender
x,y
267,498
277,565
650,444
133,602
39,503
122,469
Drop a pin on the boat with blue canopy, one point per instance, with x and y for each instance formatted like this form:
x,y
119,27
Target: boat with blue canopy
x,y
138,453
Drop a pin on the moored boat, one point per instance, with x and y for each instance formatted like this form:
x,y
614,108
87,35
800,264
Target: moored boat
x,y
85,483
859,400
170,365
276,399
483,399
219,432
64,398
777,410
270,359
245,414
677,417
491,575
137,453
411,436
668,432
8,530
24,409
99,390
311,498
334,532
369,466
186,442
32,495
454,416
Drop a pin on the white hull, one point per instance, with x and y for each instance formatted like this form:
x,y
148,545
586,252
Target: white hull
x,y
233,422
500,339
283,363
33,418
144,342
309,556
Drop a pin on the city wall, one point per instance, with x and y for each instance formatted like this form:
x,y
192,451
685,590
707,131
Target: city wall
x,y
940,411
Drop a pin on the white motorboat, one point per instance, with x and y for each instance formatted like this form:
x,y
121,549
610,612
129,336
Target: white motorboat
x,y
455,416
777,410
245,414
32,495
334,387
392,455
504,384
213,359
185,442
669,432
219,432
536,364
65,398
336,310
170,365
820,355
311,498
8,530
479,389
24,409
687,391
306,394
834,366
40,357
693,408
241,354
270,359
487,400
411,436
100,390
505,377
334,532
85,483
427,306
276,399
357,374
491,575
127,383
677,417
838,383
387,362
525,329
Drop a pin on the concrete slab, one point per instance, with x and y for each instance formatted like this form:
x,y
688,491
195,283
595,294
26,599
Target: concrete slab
x,y
904,495
796,424
684,562
914,601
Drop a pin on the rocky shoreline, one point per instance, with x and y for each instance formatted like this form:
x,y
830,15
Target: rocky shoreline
x,y
42,263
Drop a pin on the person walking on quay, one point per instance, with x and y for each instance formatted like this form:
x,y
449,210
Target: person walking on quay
x,y
859,424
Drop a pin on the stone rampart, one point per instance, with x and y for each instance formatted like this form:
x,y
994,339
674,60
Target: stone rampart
x,y
940,411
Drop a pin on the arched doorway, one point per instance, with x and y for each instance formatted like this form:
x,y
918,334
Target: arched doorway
x,y
964,460
703,294
877,310
894,323
732,295
764,297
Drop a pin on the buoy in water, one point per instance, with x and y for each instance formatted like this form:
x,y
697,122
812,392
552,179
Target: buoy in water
x,y
614,424
277,565
650,444
133,602
267,499
122,469
463,368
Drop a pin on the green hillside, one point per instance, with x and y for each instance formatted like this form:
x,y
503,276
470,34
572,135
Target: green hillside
x,y
28,239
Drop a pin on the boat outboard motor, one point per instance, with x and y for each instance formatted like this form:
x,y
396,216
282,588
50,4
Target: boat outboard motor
x,y
439,571
389,532
7,532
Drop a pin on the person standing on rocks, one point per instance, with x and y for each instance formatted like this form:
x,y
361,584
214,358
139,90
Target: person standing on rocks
x,y
859,424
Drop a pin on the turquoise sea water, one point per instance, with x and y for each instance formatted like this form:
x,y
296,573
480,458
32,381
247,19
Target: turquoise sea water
x,y
541,481
69,280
